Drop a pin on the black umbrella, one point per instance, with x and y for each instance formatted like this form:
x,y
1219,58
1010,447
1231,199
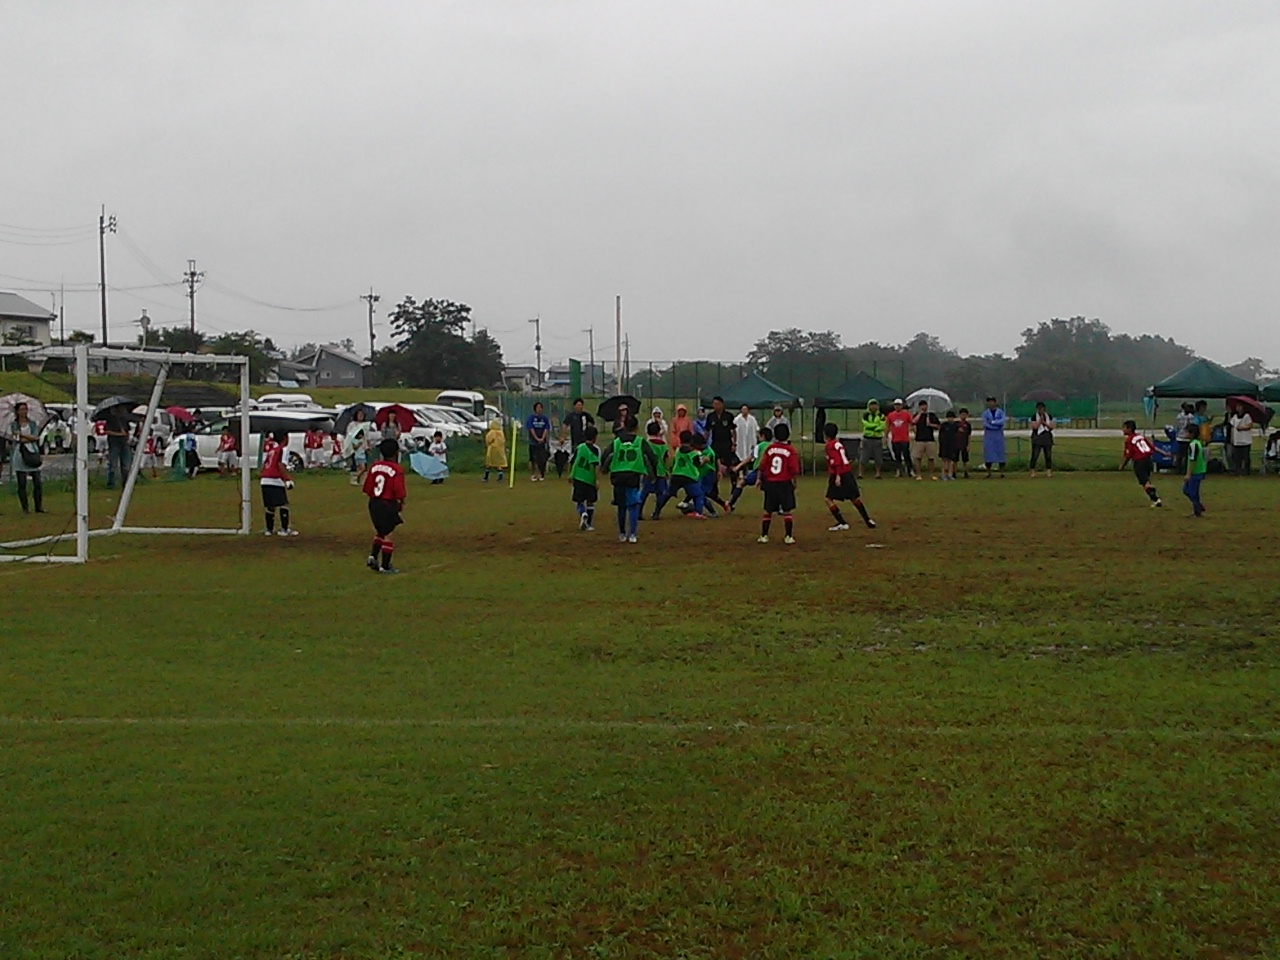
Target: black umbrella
x,y
268,421
349,414
608,409
110,402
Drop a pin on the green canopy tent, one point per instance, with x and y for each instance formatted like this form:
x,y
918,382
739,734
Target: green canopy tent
x,y
1204,380
855,393
1271,391
758,393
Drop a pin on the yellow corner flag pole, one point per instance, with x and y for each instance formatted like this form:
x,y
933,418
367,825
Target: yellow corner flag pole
x,y
511,467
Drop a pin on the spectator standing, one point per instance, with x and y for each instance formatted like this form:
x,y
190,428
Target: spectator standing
x,y
656,416
898,421
1241,441
964,430
495,451
993,424
679,424
24,440
115,427
949,445
538,428
577,420
746,428
777,418
1185,425
1042,439
871,450
924,444
700,423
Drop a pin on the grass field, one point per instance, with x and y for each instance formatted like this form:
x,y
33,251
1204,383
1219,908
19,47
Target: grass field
x,y
1040,720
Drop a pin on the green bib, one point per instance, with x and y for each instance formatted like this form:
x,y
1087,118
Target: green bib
x,y
685,465
761,447
706,464
585,461
659,448
628,456
1195,451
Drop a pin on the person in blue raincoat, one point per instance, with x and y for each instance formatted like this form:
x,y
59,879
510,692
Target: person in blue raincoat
x,y
993,423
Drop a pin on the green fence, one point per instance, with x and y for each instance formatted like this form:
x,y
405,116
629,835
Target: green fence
x,y
1073,409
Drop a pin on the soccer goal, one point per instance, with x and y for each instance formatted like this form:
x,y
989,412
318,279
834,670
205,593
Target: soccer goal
x,y
80,356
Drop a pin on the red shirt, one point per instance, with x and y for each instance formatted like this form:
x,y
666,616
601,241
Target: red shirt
x,y
385,481
837,458
99,428
150,448
899,422
781,463
226,444
1137,447
273,472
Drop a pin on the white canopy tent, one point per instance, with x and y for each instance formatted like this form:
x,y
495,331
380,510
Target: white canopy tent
x,y
80,355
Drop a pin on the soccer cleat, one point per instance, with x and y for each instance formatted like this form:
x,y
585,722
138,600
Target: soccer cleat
x,y
788,539
266,533
763,538
389,570
287,533
589,529
582,522
633,539
622,538
838,527
871,524
371,563
1157,503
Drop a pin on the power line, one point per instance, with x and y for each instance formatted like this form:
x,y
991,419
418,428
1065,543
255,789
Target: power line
x,y
78,228
227,291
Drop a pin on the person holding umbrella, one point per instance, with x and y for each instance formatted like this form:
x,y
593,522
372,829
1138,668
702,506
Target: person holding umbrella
x,y
24,437
114,414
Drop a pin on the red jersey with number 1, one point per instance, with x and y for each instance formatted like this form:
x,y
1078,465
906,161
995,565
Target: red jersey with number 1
x,y
385,481
837,459
781,463
1137,447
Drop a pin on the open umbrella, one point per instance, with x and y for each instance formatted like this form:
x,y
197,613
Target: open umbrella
x,y
347,415
405,418
1256,410
109,404
35,410
425,465
608,409
937,399
180,413
1042,395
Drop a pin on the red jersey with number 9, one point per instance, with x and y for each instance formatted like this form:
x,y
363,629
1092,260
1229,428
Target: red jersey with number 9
x,y
780,463
385,481
1137,447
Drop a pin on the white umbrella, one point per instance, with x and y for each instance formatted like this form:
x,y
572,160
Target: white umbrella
x,y
938,401
35,410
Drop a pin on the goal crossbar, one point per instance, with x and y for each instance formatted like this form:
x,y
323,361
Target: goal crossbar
x,y
81,354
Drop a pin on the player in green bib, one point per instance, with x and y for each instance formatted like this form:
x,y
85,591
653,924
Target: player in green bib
x,y
629,461
749,470
686,476
1196,470
656,484
586,461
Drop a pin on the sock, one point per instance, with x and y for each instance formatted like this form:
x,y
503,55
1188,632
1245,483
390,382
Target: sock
x,y
1151,493
590,514
387,548
271,520
622,520
284,518
633,519
788,523
765,521
733,497
862,510
835,512
376,548
581,508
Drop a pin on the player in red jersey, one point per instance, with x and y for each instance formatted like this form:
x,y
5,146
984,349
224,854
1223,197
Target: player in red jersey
x,y
779,468
841,483
275,483
385,487
1138,449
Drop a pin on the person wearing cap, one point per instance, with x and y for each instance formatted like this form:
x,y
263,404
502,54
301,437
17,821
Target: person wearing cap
x,y
680,423
777,418
871,450
898,422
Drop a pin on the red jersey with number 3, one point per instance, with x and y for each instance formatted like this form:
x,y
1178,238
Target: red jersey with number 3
x,y
1137,447
385,481
837,458
781,463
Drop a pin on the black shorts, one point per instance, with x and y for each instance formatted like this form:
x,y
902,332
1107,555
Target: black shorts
x,y
947,453
844,487
385,516
1142,470
961,455
727,458
274,497
585,492
779,496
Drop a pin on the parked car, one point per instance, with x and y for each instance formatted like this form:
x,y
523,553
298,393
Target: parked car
x,y
260,422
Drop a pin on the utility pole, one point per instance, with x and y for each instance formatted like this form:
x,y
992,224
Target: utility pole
x,y
193,277
617,343
62,315
370,298
591,340
537,345
105,224
626,360
145,323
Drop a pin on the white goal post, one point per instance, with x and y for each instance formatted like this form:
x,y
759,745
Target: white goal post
x,y
80,355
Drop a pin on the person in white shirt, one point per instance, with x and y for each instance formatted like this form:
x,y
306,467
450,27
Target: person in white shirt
x,y
1241,440
745,429
438,449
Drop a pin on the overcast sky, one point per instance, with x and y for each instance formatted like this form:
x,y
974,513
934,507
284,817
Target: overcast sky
x,y
876,168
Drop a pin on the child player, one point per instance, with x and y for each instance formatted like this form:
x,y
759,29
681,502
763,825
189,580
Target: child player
x,y
779,469
749,470
275,482
656,484
150,458
709,474
582,473
227,459
841,483
1138,449
628,462
685,478
385,487
1196,469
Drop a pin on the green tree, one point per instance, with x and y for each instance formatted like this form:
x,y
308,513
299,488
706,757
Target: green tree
x,y
260,351
431,349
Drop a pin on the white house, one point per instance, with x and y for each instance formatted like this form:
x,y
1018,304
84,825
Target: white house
x,y
22,321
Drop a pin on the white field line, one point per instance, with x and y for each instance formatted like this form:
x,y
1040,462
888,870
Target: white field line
x,y
657,726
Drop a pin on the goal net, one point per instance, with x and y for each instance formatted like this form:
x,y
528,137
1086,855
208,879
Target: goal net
x,y
41,549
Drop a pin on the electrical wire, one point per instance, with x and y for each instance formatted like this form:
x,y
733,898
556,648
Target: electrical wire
x,y
227,291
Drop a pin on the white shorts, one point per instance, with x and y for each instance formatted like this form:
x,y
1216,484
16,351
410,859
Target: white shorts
x,y
227,458
149,461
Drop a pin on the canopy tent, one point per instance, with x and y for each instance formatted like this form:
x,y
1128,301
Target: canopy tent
x,y
1204,379
1271,391
855,393
758,393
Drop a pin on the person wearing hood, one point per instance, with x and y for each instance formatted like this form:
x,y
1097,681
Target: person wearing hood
x,y
746,428
495,451
679,424
700,423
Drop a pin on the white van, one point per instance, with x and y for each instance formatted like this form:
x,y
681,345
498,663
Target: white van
x,y
466,399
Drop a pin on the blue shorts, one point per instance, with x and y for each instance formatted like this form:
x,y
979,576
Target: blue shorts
x,y
752,477
626,496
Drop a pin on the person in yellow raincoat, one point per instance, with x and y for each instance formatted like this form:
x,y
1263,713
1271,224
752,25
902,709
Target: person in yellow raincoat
x,y
495,450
